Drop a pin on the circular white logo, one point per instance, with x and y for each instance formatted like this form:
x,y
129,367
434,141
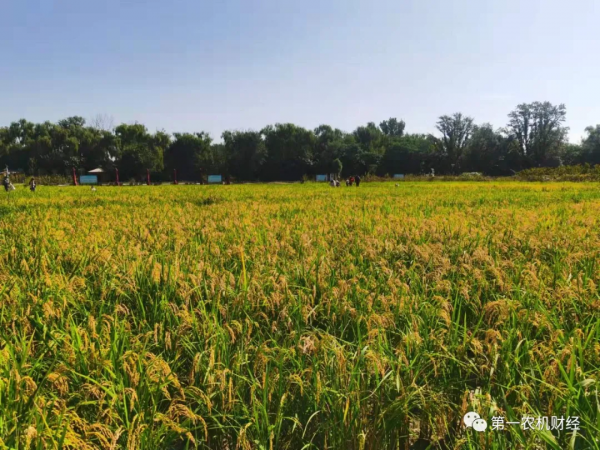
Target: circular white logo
x,y
469,418
479,425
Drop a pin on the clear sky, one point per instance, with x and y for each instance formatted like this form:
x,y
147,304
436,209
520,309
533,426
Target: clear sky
x,y
241,64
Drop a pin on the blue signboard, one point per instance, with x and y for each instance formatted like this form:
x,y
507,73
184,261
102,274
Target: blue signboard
x,y
88,179
321,177
399,176
215,179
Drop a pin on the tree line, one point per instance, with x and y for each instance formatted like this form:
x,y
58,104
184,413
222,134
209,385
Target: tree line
x,y
534,136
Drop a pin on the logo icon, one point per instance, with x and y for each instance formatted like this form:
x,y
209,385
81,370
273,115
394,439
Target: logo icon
x,y
473,420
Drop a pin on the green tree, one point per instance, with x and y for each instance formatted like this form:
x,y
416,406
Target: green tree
x,y
456,131
16,145
245,154
72,123
139,150
410,154
95,147
590,146
289,151
219,160
64,150
488,152
99,149
356,161
392,127
189,154
370,138
572,154
538,129
328,146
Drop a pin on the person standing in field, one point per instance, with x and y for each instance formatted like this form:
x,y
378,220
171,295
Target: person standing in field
x,y
32,184
351,181
357,180
6,182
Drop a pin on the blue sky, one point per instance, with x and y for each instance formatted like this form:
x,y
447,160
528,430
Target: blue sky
x,y
242,64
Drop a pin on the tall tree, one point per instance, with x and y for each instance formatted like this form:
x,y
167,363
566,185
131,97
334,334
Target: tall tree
x,y
245,152
456,131
289,151
535,135
572,154
139,150
64,154
219,159
205,160
490,152
353,159
410,154
95,147
72,123
370,138
189,154
393,127
329,142
590,146
538,128
16,146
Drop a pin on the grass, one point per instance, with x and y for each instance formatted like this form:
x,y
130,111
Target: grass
x,y
298,316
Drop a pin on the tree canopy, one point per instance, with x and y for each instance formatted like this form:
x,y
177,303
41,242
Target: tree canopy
x,y
534,136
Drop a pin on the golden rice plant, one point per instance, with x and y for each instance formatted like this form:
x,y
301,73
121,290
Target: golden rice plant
x,y
298,316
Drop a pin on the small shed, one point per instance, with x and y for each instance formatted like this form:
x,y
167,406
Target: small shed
x,y
99,172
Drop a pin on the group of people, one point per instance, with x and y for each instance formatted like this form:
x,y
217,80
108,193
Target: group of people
x,y
8,186
349,182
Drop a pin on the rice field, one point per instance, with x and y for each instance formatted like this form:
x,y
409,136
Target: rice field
x,y
299,316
